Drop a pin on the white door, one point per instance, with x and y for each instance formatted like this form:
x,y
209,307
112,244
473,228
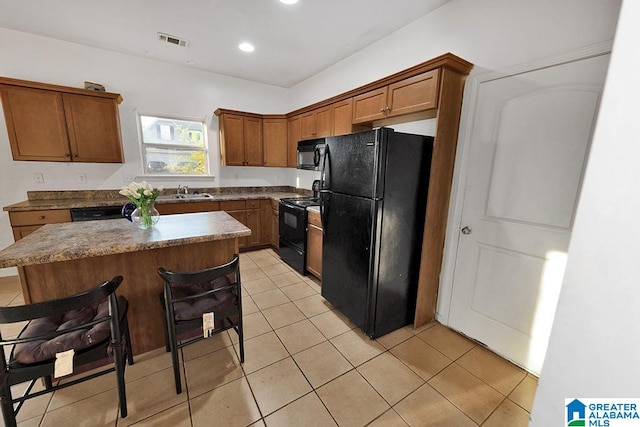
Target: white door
x,y
527,154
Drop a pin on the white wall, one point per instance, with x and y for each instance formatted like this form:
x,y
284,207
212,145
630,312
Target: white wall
x,y
595,345
492,34
146,85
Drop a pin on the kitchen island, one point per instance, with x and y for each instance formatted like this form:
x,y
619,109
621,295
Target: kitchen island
x,y
62,259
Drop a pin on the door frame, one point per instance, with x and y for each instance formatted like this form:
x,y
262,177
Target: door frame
x,y
463,150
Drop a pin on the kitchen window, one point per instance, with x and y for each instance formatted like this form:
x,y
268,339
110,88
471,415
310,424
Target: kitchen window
x,y
173,146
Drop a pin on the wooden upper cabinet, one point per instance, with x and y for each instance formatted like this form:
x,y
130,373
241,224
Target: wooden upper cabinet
x,y
370,106
253,141
294,134
316,123
240,140
54,123
341,114
232,140
48,140
94,129
407,96
274,137
414,94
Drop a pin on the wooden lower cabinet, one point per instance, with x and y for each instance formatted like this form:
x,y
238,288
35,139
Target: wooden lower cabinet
x,y
265,221
275,224
254,222
255,215
25,223
314,244
190,207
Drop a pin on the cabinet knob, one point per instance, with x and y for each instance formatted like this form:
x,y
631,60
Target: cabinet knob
x,y
41,217
75,155
67,155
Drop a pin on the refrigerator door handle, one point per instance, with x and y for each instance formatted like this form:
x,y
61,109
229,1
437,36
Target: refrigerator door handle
x,y
324,200
324,196
323,167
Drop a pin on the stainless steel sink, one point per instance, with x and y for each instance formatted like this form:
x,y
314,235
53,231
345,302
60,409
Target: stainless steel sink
x,y
185,196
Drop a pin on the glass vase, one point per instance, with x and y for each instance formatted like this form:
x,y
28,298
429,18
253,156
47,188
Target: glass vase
x,y
145,216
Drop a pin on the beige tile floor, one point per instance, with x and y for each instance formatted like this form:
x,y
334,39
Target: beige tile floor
x,y
305,365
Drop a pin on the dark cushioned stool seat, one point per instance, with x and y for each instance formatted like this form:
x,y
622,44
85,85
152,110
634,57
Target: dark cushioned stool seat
x,y
192,309
189,296
41,350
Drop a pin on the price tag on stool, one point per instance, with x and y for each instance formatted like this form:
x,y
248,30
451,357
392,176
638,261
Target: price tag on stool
x,y
64,363
208,324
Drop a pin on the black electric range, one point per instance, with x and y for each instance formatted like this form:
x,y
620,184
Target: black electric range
x,y
293,230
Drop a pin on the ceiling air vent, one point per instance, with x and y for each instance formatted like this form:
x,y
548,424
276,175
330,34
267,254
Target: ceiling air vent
x,y
172,40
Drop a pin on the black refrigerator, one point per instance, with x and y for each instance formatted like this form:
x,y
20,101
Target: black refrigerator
x,y
372,205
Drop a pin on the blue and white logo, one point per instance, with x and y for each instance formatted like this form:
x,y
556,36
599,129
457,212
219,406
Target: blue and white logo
x,y
602,412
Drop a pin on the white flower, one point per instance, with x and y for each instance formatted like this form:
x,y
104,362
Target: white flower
x,y
141,194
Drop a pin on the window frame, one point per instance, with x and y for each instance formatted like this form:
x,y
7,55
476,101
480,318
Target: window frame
x,y
145,145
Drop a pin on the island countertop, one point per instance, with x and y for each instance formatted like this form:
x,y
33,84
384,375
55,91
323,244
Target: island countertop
x,y
76,240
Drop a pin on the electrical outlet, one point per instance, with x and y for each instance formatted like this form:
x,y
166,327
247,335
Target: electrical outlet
x,y
82,178
38,177
127,178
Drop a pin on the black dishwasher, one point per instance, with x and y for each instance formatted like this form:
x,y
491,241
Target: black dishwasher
x,y
96,213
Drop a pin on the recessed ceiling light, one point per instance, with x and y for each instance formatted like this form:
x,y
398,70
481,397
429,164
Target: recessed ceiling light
x,y
246,47
289,1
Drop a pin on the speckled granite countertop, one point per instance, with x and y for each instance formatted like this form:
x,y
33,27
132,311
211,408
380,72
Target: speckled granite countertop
x,y
43,200
74,240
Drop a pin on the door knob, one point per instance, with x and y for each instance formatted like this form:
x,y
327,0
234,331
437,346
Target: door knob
x,y
466,230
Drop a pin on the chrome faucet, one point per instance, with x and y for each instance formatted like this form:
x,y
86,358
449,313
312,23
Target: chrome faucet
x,y
183,189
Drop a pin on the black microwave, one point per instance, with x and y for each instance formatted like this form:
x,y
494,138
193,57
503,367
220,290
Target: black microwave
x,y
310,154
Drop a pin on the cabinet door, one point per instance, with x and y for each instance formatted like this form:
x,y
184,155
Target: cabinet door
x,y
414,94
93,125
323,121
308,125
265,221
275,142
20,232
294,134
275,228
232,140
35,124
253,141
253,222
186,207
342,116
314,250
370,106
39,217
240,216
